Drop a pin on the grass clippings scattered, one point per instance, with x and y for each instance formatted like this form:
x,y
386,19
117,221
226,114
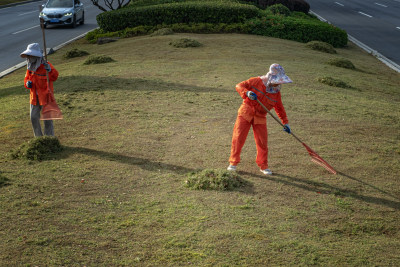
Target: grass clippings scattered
x,y
333,82
342,63
39,148
321,46
75,53
98,59
163,31
209,179
185,42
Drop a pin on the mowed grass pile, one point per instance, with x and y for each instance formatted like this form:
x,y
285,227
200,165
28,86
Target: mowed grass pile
x,y
135,128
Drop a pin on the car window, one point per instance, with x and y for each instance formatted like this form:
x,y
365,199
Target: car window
x,y
60,3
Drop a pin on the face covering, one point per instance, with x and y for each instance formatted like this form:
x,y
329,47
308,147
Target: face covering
x,y
269,88
33,63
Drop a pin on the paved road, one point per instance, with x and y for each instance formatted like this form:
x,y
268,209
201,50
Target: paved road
x,y
376,23
19,26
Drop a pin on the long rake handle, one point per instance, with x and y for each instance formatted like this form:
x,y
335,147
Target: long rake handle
x,y
277,120
45,52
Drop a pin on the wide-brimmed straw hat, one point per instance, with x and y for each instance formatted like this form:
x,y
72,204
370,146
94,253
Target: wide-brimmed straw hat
x,y
276,75
32,50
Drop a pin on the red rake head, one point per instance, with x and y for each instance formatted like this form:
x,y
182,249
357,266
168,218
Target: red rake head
x,y
318,160
51,111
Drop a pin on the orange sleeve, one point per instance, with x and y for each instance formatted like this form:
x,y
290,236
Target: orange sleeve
x,y
242,88
27,78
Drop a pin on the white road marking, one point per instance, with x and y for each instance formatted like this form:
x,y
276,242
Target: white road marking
x,y
26,29
380,4
28,13
340,4
365,14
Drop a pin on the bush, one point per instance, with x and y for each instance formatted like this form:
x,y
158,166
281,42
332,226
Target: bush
x,y
172,13
221,180
342,63
321,46
333,82
75,53
39,148
98,60
292,5
279,9
185,42
163,31
296,29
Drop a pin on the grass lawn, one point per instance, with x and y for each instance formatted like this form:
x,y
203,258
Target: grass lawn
x,y
134,129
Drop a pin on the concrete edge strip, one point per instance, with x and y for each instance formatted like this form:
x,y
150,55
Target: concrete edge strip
x,y
20,65
366,48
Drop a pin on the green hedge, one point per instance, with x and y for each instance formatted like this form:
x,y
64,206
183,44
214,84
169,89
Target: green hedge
x,y
185,12
301,30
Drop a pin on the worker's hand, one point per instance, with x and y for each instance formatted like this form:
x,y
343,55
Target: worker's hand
x,y
29,84
251,95
286,128
47,67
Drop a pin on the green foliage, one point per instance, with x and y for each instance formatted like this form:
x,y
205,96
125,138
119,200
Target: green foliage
x,y
279,9
185,12
342,63
220,180
139,3
333,82
39,148
321,46
163,31
296,29
75,53
185,42
98,59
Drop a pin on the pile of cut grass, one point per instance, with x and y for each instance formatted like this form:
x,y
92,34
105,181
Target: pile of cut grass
x,y
185,42
38,148
98,59
208,179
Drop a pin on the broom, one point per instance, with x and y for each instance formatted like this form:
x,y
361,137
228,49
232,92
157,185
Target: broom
x,y
314,156
50,111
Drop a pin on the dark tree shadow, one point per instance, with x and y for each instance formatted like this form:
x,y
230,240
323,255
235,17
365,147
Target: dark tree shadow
x,y
324,188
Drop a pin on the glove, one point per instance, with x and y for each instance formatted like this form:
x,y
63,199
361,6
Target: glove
x,y
47,67
29,84
286,128
251,95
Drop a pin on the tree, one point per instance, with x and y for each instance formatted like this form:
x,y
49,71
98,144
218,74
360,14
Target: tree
x,y
111,4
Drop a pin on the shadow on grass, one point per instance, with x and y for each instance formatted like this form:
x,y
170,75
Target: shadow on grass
x,y
324,188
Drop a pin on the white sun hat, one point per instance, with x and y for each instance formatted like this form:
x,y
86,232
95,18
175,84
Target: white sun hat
x,y
32,50
276,75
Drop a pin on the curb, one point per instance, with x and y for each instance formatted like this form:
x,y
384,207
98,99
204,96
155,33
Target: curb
x,y
382,58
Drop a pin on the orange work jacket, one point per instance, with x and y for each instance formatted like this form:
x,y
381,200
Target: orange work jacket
x,y
251,110
39,84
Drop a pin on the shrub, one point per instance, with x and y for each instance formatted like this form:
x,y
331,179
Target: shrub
x,y
163,31
39,148
185,42
279,9
333,82
342,63
98,59
221,180
293,5
75,53
172,13
321,46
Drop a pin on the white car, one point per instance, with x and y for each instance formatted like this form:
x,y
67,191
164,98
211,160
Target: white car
x,y
63,12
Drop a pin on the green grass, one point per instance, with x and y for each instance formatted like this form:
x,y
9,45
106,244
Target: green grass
x,y
135,128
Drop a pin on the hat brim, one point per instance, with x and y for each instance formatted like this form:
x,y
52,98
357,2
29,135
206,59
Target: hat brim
x,y
280,79
28,52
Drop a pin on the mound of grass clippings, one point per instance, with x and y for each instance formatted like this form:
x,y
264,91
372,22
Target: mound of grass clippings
x,y
185,42
100,59
342,63
209,179
163,31
333,82
75,53
321,46
39,148
3,181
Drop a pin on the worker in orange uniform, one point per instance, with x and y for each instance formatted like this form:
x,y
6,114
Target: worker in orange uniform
x,y
266,89
36,81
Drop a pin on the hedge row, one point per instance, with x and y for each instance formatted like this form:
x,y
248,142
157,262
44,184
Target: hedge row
x,y
171,13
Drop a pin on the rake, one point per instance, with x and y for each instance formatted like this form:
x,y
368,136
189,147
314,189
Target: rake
x,y
314,156
50,111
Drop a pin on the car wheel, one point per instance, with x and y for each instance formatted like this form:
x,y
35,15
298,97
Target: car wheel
x,y
83,18
73,25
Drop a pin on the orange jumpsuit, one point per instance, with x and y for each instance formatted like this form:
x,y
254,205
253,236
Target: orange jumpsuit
x,y
252,114
39,84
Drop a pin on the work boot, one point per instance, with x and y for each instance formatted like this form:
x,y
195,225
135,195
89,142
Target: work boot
x,y
231,168
266,171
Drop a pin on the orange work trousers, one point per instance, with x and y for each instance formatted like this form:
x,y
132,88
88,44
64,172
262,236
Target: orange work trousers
x,y
240,132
